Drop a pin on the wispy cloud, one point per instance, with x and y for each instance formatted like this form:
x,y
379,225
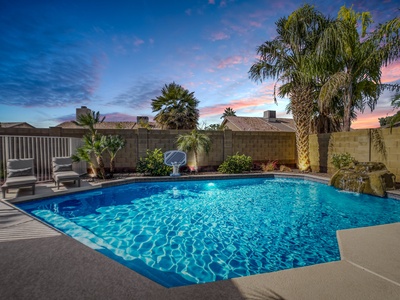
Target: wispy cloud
x,y
137,41
139,95
110,117
42,65
218,36
231,61
391,73
124,44
236,104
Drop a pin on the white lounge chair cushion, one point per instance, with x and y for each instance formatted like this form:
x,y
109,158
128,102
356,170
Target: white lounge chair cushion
x,y
19,181
60,176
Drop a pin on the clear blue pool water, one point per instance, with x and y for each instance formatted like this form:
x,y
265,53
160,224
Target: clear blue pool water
x,y
186,232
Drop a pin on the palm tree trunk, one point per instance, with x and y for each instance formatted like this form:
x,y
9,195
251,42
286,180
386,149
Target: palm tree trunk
x,y
302,108
112,165
196,163
92,167
347,109
100,162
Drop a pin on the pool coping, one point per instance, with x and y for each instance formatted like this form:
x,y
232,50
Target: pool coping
x,y
128,180
349,278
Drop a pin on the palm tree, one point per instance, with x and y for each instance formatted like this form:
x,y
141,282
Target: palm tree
x,y
84,154
94,143
176,108
90,120
228,112
194,141
357,61
288,59
113,144
97,147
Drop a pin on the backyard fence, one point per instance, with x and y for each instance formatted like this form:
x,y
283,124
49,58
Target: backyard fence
x,y
41,149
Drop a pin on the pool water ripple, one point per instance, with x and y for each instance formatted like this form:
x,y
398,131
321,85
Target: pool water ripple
x,y
207,231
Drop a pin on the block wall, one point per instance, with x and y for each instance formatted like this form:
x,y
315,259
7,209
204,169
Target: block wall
x,y
362,144
261,146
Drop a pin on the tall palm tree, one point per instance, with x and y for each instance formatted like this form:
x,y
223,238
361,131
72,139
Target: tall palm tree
x,y
288,59
176,107
194,141
228,112
357,61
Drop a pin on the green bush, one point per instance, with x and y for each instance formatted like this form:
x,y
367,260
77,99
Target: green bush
x,y
153,164
341,160
236,164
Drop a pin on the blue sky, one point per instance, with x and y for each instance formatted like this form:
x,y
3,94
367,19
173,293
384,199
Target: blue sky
x,y
115,56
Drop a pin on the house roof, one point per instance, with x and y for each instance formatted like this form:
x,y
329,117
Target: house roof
x,y
15,125
260,124
108,125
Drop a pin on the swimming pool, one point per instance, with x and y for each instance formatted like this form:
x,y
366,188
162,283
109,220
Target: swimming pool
x,y
186,232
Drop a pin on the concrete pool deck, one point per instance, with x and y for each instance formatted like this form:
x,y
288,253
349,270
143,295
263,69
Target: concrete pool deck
x,y
38,262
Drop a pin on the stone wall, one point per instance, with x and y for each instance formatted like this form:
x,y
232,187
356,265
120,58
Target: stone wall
x,y
261,146
361,144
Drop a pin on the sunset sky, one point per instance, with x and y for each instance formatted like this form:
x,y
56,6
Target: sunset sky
x,y
115,56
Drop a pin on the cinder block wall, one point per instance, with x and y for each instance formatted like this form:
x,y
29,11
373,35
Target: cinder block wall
x,y
261,146
360,144
266,146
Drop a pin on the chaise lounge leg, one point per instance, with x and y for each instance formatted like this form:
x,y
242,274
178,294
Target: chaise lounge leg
x,y
3,189
33,189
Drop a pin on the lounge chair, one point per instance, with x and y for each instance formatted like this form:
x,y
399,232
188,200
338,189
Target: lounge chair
x,y
62,171
20,172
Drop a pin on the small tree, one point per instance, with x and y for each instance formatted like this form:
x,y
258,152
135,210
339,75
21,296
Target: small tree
x,y
113,144
215,127
194,141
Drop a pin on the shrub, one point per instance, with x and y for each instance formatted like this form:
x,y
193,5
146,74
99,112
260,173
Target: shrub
x,y
341,160
236,164
153,164
270,166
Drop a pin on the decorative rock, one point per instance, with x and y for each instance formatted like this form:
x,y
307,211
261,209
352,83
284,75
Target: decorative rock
x,y
284,168
366,177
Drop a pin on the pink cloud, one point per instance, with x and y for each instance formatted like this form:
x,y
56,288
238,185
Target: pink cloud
x,y
211,1
218,109
370,119
188,12
391,73
232,60
119,117
138,42
218,36
255,24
